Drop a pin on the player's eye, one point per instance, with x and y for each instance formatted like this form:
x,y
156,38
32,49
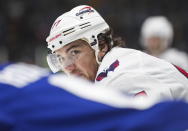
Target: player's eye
x,y
75,52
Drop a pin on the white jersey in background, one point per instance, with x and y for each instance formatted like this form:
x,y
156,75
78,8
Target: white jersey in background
x,y
138,73
175,57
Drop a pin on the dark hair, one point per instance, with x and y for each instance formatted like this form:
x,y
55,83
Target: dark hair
x,y
109,37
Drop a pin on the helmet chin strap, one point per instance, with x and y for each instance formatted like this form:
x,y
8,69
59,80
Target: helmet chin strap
x,y
96,55
95,48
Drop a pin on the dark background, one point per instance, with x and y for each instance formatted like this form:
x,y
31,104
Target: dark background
x,y
25,24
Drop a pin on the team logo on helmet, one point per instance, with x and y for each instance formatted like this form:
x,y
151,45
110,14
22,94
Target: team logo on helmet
x,y
84,10
55,24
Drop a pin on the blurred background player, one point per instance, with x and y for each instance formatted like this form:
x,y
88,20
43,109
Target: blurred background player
x,y
82,44
156,38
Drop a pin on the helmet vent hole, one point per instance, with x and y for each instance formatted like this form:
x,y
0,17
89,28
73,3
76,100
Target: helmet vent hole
x,y
69,33
85,26
60,42
70,29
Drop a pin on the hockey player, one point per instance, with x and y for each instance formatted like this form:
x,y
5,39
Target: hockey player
x,y
33,100
156,38
83,45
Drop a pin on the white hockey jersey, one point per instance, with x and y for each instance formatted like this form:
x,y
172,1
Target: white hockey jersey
x,y
137,73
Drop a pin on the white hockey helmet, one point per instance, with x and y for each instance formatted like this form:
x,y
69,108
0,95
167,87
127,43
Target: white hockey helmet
x,y
82,22
157,26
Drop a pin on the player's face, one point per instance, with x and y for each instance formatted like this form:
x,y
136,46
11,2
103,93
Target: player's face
x,y
78,58
155,45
